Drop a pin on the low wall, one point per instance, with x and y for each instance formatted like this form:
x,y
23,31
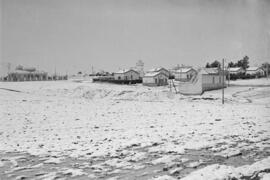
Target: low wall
x,y
118,81
154,84
208,87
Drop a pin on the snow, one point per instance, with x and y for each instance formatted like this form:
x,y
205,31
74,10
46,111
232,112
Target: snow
x,y
73,172
117,163
194,164
176,170
131,126
265,176
165,159
136,156
164,177
1,164
216,171
53,161
251,82
48,176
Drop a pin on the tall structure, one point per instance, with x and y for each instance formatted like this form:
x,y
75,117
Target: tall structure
x,y
139,67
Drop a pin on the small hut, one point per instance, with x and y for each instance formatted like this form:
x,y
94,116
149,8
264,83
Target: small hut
x,y
160,69
27,74
184,73
126,74
236,70
255,72
155,79
205,79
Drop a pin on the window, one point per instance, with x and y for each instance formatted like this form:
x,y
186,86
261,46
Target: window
x,y
119,78
213,80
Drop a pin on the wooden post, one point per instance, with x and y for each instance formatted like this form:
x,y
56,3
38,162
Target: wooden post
x,y
223,81
8,66
180,74
267,69
229,77
55,73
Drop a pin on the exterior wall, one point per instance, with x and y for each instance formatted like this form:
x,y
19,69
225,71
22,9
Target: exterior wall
x,y
27,77
130,75
158,80
192,87
200,83
180,76
211,82
148,80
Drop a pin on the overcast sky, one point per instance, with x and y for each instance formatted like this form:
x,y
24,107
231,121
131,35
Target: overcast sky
x,y
74,35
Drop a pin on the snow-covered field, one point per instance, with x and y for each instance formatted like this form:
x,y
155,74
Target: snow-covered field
x,y
66,130
251,82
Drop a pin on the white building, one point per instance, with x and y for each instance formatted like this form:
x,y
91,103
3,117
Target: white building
x,y
126,74
205,79
160,69
212,79
139,67
255,71
236,70
158,78
27,74
183,73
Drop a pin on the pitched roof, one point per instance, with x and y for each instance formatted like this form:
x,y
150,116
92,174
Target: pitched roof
x,y
156,69
183,70
253,68
19,71
232,69
212,70
122,71
153,74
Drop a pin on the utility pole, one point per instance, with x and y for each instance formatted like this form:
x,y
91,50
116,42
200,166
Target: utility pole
x,y
55,73
8,66
223,81
229,77
267,70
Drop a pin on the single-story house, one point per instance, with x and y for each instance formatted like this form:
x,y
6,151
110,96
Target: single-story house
x,y
205,79
126,74
236,70
160,69
184,73
155,79
255,71
27,74
212,79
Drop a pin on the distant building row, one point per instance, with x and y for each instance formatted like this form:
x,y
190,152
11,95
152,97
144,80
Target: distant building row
x,y
30,74
252,71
